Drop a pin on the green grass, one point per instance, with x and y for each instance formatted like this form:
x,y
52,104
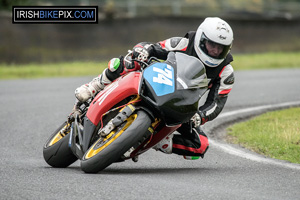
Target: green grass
x,y
267,61
274,134
51,70
241,62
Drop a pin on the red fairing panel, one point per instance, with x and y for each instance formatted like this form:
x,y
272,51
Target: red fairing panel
x,y
121,88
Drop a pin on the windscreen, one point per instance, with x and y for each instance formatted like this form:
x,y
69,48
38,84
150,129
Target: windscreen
x,y
190,72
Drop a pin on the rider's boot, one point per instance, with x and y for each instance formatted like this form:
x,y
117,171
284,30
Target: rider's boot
x,y
165,145
86,91
191,157
76,112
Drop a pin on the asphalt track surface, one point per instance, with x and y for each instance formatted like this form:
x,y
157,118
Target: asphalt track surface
x,y
32,109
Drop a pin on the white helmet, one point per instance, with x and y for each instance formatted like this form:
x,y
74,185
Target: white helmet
x,y
215,30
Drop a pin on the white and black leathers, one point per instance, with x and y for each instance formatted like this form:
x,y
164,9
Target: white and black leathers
x,y
221,77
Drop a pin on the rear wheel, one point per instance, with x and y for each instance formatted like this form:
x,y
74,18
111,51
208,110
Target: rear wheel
x,y
107,150
56,151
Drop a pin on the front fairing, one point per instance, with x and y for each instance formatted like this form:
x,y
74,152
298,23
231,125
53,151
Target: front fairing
x,y
175,87
120,89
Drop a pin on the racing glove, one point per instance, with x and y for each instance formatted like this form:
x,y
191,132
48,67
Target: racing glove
x,y
142,51
198,119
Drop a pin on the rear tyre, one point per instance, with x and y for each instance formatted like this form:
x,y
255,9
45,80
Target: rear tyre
x,y
110,149
56,151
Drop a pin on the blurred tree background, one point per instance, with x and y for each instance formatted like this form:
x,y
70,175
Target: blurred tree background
x,y
259,26
138,8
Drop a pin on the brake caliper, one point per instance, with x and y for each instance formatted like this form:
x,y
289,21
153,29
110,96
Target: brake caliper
x,y
117,120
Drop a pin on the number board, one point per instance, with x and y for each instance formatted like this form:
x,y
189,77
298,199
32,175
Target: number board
x,y
161,78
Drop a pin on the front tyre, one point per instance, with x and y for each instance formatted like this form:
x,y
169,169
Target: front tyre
x,y
107,150
56,150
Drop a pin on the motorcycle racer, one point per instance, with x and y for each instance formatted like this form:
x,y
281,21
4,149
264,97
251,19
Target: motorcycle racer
x,y
211,44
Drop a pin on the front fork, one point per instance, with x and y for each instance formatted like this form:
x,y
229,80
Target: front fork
x,y
117,120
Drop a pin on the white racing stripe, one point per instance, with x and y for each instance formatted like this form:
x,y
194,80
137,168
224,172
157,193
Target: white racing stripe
x,y
251,156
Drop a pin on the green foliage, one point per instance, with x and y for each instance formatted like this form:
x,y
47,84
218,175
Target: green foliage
x,y
274,134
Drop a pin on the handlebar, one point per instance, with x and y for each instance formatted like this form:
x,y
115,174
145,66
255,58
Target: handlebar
x,y
142,63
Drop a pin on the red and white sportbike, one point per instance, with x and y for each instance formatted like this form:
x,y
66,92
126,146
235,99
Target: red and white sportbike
x,y
131,115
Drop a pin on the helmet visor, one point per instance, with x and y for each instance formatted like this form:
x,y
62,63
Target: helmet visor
x,y
213,49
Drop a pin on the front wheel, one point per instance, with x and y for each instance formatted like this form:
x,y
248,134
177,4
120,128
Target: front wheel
x,y
107,150
56,151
